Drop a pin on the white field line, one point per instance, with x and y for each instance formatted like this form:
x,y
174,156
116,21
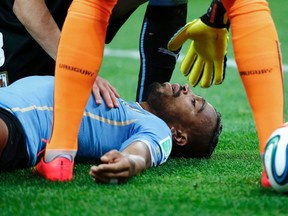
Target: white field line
x,y
134,54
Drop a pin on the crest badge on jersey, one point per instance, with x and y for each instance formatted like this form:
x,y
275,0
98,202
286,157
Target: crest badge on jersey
x,y
166,146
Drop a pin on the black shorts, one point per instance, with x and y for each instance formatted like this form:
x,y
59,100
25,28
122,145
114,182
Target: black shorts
x,y
14,155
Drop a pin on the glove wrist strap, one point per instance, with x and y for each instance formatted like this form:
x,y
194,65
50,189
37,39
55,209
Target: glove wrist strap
x,y
216,16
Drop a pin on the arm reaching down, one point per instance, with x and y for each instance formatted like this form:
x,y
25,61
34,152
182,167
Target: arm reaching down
x,y
38,21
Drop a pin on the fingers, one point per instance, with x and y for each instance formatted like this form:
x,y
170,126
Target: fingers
x,y
219,72
204,62
196,72
111,156
96,93
104,173
108,92
115,166
207,75
188,60
110,97
201,70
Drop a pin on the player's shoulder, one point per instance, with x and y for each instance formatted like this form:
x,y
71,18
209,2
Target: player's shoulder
x,y
38,82
39,79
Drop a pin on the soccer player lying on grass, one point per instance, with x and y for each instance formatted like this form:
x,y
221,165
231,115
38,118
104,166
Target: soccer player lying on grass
x,y
132,137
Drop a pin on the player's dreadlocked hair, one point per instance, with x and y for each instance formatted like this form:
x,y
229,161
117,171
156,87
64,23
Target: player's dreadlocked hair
x,y
202,145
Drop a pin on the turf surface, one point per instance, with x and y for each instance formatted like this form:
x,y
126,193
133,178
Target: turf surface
x,y
227,184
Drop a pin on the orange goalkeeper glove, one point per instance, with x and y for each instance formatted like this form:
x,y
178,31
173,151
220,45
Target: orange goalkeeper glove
x,y
205,61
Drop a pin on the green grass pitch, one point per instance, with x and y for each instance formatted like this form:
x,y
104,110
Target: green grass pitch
x,y
227,184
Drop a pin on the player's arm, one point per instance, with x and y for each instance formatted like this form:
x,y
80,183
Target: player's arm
x,y
38,21
40,24
205,60
118,166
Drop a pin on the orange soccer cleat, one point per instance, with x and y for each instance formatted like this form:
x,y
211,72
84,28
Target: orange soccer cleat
x,y
59,169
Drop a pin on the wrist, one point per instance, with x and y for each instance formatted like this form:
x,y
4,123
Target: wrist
x,y
216,16
137,164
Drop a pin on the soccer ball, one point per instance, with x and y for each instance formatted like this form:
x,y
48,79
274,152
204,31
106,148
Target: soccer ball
x,y
276,159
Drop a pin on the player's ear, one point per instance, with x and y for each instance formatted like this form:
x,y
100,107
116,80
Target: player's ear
x,y
179,137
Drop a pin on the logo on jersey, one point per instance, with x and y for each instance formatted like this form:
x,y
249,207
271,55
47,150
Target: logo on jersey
x,y
166,146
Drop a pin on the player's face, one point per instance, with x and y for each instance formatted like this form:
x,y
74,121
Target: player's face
x,y
174,102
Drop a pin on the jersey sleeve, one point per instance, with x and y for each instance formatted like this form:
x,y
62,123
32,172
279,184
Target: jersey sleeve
x,y
159,148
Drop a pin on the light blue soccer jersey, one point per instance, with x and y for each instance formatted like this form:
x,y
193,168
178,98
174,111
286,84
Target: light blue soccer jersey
x,y
102,129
